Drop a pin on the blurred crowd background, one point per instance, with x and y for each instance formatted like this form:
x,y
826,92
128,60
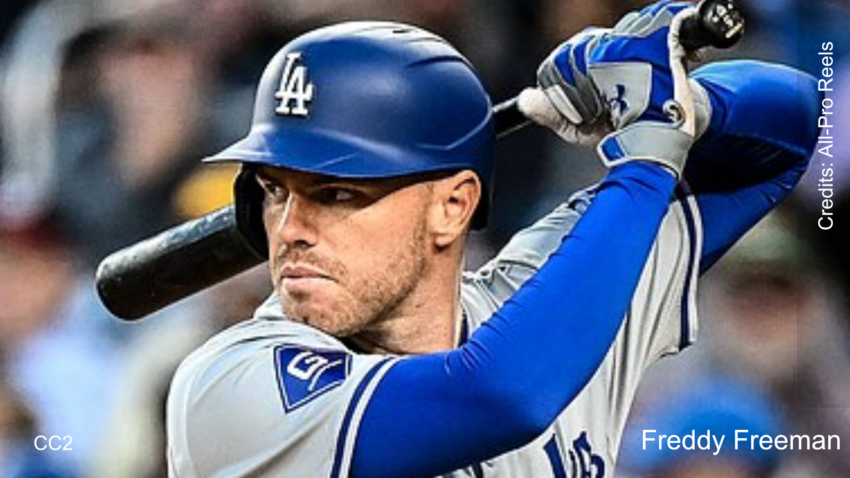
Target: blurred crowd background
x,y
107,107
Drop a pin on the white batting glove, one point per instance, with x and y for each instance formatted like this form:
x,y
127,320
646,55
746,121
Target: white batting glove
x,y
539,108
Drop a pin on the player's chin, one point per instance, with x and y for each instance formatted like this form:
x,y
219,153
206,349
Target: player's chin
x,y
322,311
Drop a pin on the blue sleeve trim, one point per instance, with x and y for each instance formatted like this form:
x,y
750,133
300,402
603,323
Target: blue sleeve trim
x,y
690,221
349,415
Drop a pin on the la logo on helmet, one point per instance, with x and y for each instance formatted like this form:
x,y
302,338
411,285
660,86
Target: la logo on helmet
x,y
294,92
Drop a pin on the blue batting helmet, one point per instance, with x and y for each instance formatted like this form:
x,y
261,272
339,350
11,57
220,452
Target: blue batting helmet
x,y
364,100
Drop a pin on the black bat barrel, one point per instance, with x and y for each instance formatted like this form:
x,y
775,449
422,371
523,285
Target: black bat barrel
x,y
173,265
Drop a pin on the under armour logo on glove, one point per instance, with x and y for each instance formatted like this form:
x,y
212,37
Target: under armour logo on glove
x,y
618,104
625,88
305,374
294,88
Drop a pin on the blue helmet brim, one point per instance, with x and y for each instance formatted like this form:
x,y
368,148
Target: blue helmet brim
x,y
332,155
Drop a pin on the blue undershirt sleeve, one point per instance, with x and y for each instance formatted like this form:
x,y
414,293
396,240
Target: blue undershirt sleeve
x,y
762,133
434,413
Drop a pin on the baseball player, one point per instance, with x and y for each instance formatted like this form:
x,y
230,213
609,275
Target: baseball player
x,y
369,159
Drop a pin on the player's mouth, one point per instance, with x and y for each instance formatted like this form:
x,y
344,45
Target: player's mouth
x,y
299,278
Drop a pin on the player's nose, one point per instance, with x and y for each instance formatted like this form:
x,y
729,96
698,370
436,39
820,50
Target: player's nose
x,y
297,223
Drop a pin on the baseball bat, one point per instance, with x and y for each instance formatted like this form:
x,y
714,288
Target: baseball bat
x,y
154,273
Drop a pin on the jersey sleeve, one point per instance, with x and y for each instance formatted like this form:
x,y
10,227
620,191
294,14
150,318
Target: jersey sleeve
x,y
662,317
284,404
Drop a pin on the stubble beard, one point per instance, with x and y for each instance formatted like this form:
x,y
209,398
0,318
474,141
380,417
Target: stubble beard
x,y
361,304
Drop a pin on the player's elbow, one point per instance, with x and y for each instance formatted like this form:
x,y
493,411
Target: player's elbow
x,y
772,103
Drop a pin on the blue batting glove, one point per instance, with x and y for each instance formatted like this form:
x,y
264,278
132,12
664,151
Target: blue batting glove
x,y
632,66
620,74
605,80
663,126
564,78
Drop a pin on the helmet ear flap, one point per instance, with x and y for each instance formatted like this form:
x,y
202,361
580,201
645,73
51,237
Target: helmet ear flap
x,y
249,210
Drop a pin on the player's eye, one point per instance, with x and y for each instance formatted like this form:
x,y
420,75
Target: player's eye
x,y
335,195
273,189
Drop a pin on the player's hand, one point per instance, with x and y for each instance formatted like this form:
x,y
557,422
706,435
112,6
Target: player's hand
x,y
603,79
566,100
662,126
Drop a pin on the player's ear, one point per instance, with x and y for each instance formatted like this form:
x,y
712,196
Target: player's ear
x,y
455,199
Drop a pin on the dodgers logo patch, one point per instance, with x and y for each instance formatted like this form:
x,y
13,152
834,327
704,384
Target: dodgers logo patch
x,y
305,374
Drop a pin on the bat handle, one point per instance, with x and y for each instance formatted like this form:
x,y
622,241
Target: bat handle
x,y
508,118
718,23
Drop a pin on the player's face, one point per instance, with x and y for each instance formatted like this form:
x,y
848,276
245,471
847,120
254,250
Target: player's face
x,y
344,254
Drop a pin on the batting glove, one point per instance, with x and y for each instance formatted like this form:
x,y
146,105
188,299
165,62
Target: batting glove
x,y
566,100
664,127
605,79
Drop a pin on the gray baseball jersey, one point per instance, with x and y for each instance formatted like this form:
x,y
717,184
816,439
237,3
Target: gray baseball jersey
x,y
274,398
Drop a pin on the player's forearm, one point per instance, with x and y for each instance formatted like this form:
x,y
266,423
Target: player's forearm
x,y
579,297
434,413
